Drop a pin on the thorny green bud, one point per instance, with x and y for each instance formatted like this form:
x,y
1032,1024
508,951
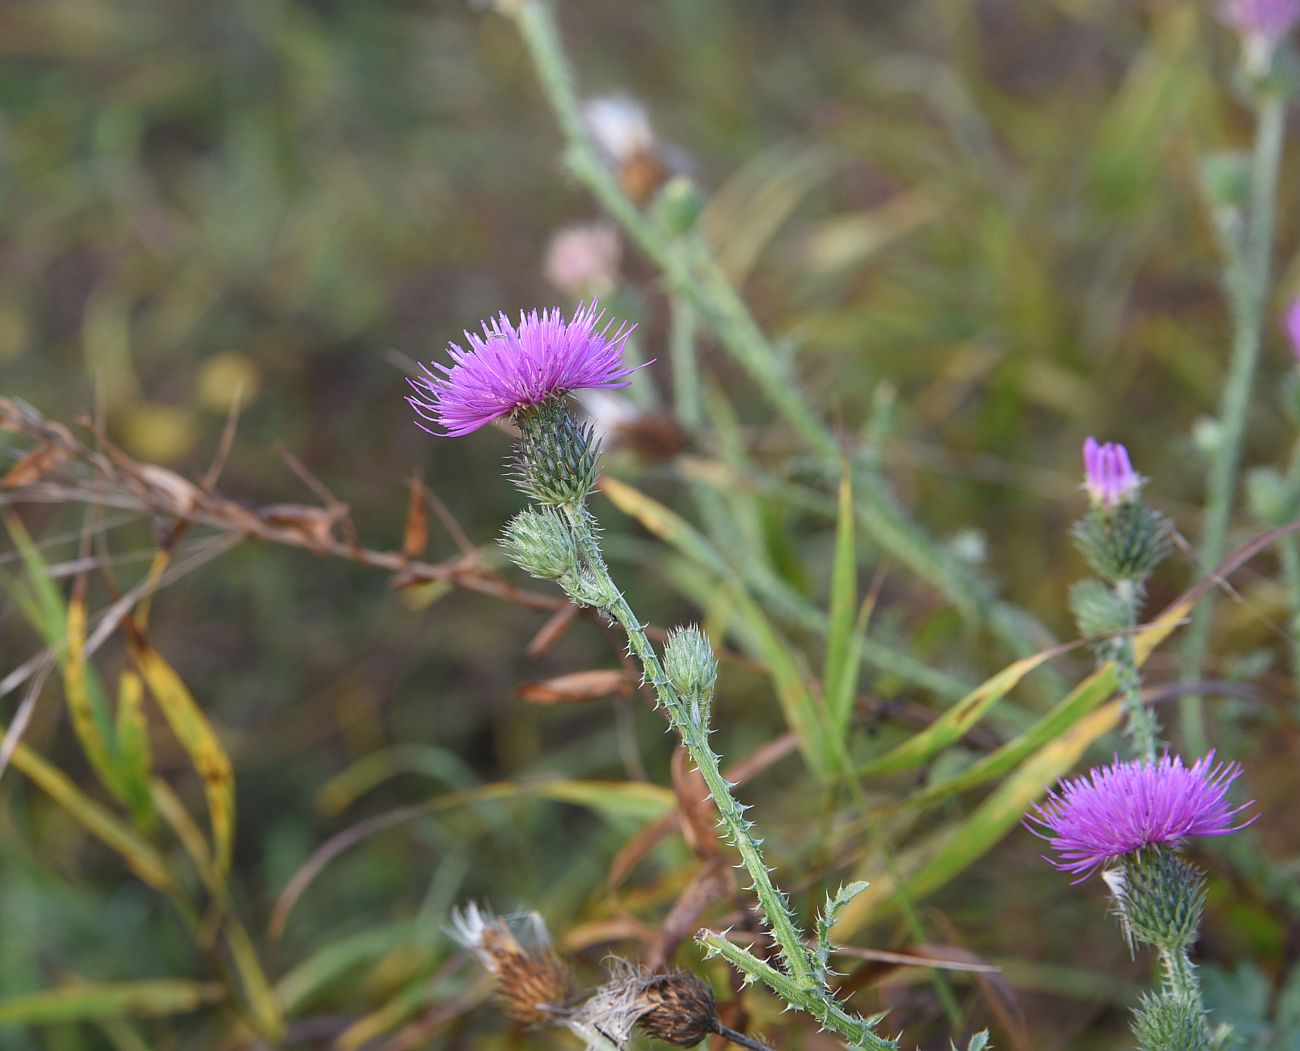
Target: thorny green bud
x,y
692,670
678,205
1159,897
1268,496
1125,542
1170,1021
555,458
539,541
1097,609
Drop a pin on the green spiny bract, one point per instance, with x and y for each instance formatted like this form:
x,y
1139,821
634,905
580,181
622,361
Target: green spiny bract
x,y
1160,898
1097,609
692,671
555,457
538,540
1126,542
1171,1021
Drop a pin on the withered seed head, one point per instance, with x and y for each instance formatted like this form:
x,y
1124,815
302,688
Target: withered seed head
x,y
533,982
535,987
678,1008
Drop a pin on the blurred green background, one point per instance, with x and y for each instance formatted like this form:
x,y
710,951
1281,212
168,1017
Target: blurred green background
x,y
977,229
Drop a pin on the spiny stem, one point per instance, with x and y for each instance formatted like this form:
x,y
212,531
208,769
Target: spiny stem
x,y
800,986
1139,722
738,830
1246,281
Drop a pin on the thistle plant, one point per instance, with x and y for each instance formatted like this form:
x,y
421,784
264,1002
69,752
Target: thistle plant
x,y
1129,819
1243,194
1123,541
524,373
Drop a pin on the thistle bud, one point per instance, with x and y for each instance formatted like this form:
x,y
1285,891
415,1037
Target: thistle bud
x,y
678,205
1097,609
1268,496
692,670
539,542
1120,536
1124,544
1171,1020
1160,898
555,458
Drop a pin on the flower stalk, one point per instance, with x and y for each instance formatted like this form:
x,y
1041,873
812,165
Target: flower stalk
x,y
682,685
1248,257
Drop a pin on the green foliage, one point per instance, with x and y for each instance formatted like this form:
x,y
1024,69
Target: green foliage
x,y
912,274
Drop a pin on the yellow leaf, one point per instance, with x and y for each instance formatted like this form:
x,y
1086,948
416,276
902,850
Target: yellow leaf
x,y
200,742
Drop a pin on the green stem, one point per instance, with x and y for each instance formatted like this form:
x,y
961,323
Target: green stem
x,y
686,372
1139,722
694,737
1247,277
1289,553
800,984
831,1015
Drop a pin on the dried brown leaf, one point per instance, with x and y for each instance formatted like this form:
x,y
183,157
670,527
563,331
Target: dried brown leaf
x,y
552,631
577,687
714,881
415,538
180,495
696,813
314,524
34,465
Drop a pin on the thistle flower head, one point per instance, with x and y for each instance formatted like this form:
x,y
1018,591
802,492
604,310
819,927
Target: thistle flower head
x,y
1269,19
511,367
1121,808
532,981
1291,323
584,259
1108,474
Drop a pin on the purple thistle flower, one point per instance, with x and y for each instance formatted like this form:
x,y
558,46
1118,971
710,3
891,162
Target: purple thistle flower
x,y
1270,20
512,367
1121,808
1291,323
1108,474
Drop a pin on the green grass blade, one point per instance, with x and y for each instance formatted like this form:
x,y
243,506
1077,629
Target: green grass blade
x,y
79,1002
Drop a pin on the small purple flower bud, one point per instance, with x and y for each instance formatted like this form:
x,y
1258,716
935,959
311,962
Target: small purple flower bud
x,y
1120,809
1291,324
1108,474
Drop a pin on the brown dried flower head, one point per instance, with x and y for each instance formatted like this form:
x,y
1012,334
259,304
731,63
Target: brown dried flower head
x,y
678,1008
534,984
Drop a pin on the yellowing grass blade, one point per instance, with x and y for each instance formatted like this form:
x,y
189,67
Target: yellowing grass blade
x,y
664,523
956,720
143,859
81,1002
197,737
933,862
134,750
86,720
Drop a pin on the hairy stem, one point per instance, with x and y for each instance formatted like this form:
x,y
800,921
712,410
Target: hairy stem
x,y
799,985
1139,721
694,737
1246,280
